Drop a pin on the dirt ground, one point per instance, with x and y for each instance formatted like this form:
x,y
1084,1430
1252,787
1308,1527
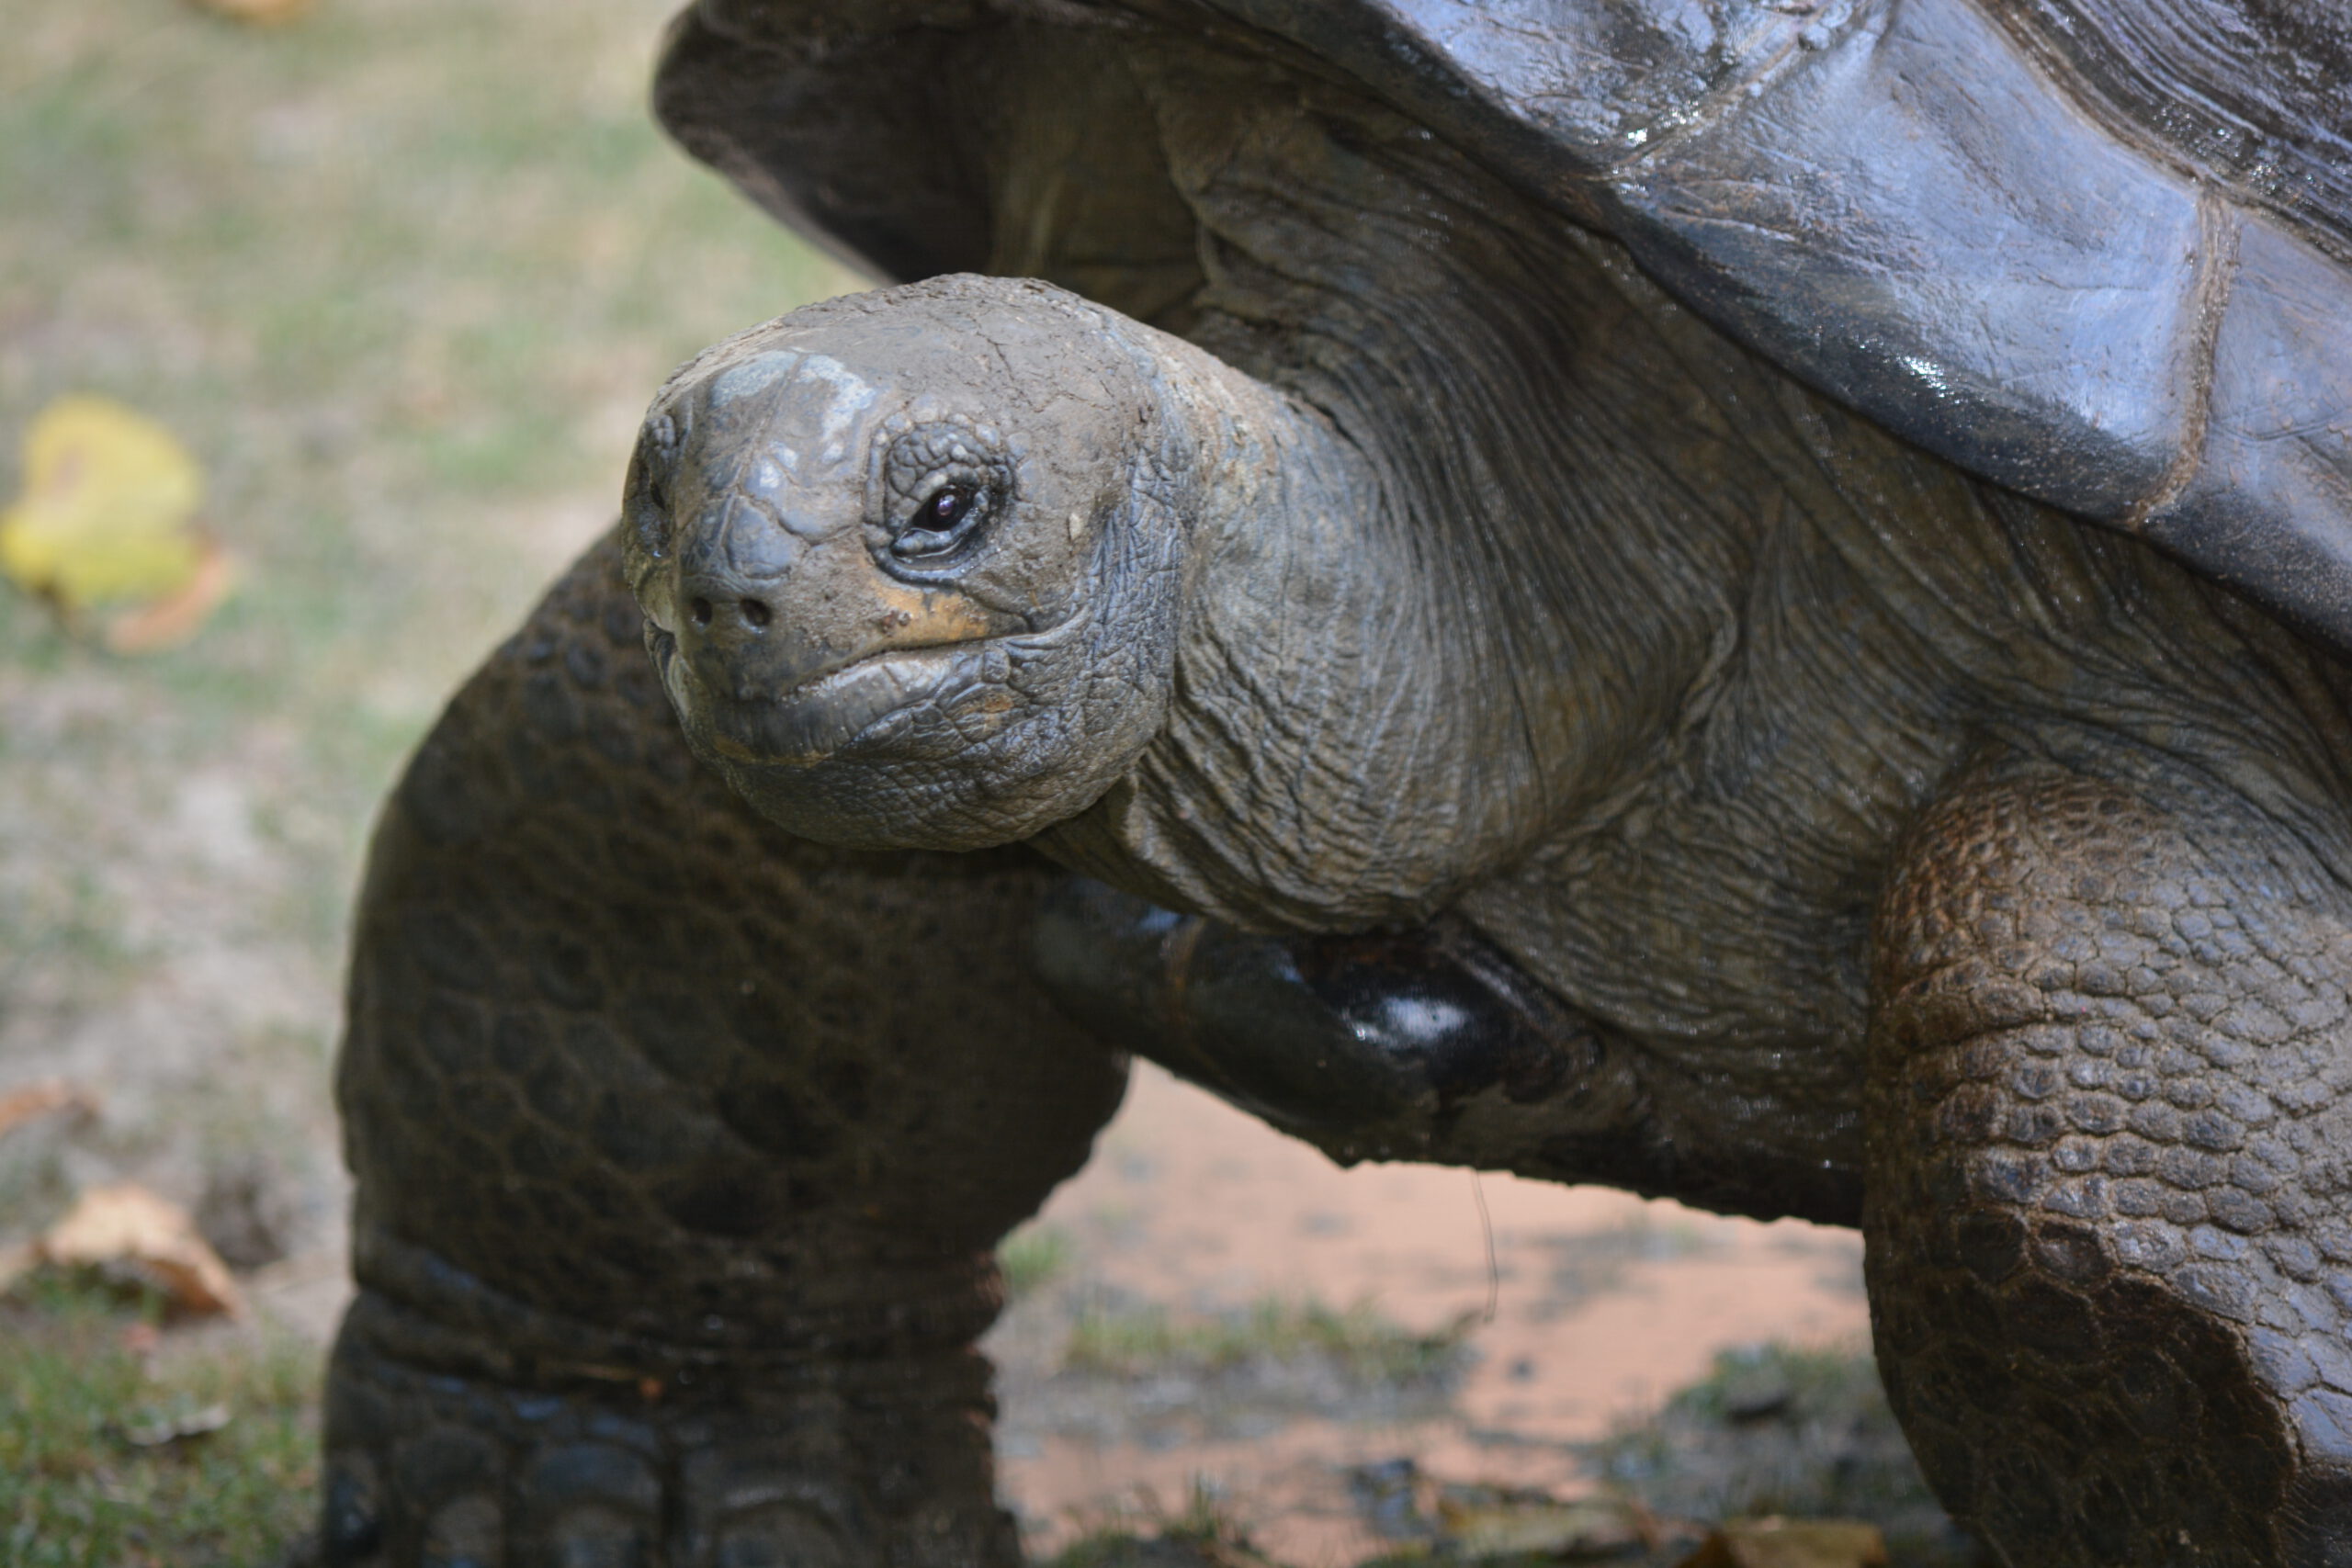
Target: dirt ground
x,y
1603,1304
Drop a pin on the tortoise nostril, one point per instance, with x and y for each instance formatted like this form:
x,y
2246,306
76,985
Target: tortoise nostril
x,y
700,609
756,613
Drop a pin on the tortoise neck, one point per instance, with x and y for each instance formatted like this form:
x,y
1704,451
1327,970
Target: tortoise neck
x,y
1372,707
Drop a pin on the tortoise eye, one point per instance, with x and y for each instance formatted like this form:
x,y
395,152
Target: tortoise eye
x,y
944,520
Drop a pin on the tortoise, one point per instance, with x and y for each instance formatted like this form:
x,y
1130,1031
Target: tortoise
x,y
1745,600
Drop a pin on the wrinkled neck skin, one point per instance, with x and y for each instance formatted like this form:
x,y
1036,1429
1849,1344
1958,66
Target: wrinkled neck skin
x,y
1366,716
1466,544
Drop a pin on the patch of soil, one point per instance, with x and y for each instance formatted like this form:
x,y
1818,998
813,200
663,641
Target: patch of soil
x,y
1602,1304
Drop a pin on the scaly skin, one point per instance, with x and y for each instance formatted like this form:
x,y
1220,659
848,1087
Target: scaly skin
x,y
2109,1152
682,1149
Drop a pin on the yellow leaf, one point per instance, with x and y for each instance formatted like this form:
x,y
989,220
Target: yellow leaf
x,y
103,516
178,615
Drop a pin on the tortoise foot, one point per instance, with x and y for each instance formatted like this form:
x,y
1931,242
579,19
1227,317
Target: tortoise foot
x,y
687,1464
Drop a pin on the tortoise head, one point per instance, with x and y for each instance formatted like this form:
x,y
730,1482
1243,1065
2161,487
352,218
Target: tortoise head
x,y
907,563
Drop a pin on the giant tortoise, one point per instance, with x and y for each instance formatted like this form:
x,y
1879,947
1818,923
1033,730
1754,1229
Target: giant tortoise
x,y
1745,599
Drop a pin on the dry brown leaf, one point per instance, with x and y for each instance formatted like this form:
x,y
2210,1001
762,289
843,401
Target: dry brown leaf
x,y
1599,1527
127,1232
1790,1543
35,1101
265,11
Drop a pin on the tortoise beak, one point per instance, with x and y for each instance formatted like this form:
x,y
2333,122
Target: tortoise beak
x,y
760,615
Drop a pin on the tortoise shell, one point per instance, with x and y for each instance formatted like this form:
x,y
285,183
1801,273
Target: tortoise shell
x,y
2096,251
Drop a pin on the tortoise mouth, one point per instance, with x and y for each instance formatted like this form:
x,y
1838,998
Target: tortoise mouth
x,y
815,720
888,705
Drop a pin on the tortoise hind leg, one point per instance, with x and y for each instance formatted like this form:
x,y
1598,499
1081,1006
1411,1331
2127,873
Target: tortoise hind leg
x,y
2109,1134
681,1148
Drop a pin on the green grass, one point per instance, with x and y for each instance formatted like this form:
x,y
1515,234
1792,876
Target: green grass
x,y
84,1483
1142,1339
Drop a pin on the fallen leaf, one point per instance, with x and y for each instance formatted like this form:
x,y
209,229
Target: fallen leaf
x,y
155,1428
35,1101
127,1233
103,515
1600,1528
1790,1543
106,518
265,12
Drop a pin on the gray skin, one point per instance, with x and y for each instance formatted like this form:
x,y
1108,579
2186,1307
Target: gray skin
x,y
1831,831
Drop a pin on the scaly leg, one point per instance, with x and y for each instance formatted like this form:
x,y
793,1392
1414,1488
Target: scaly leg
x,y
682,1149
2109,1170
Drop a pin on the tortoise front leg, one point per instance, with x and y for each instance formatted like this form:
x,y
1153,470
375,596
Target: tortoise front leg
x,y
2109,1145
682,1147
